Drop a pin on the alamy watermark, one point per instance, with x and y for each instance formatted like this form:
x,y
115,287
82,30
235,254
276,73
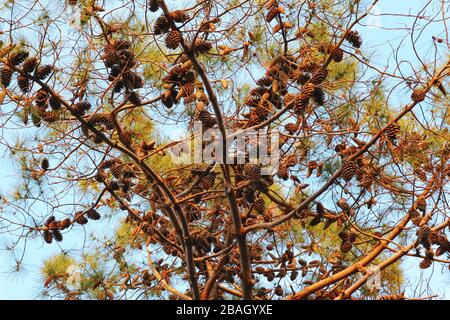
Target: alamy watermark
x,y
374,281
73,280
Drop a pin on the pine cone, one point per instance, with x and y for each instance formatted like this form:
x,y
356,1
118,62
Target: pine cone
x,y
43,72
262,111
169,100
264,82
425,263
252,171
30,64
253,120
119,86
134,98
111,58
279,291
307,91
47,237
121,44
337,54
303,78
45,164
259,205
161,26
205,117
208,181
392,130
127,60
57,235
81,107
6,74
319,76
93,214
64,224
188,77
114,185
186,90
354,39
23,83
80,218
108,120
423,235
283,172
289,99
418,95
18,57
132,80
50,220
258,92
416,218
55,104
41,99
271,14
173,39
96,118
349,169
252,101
202,46
153,5
319,96
346,246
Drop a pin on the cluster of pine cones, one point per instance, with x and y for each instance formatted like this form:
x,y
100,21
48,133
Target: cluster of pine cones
x,y
122,63
30,70
29,67
118,176
180,83
272,90
53,229
163,26
206,182
361,167
427,238
250,183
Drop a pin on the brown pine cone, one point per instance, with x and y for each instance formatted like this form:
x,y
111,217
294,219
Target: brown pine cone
x,y
392,131
354,39
161,26
18,57
259,205
349,168
319,76
30,64
337,54
6,74
173,39
418,95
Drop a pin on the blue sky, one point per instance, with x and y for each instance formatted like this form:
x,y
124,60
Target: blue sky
x,y
26,285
